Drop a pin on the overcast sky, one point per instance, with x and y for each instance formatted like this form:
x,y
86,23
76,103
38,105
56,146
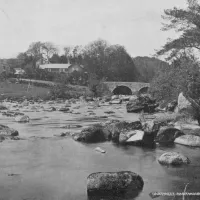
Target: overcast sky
x,y
134,24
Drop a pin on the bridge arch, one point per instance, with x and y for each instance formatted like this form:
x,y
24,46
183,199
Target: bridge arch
x,y
122,89
143,90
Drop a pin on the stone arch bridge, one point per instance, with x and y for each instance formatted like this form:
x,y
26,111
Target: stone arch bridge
x,y
129,87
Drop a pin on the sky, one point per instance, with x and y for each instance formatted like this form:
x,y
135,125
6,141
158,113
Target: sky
x,y
135,24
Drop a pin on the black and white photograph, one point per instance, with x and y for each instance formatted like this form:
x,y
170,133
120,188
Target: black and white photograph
x,y
100,99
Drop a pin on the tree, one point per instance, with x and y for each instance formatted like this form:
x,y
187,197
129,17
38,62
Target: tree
x,y
49,49
36,51
187,23
41,51
55,58
111,62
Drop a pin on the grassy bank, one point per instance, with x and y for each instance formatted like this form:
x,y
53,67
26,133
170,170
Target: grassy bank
x,y
11,89
14,90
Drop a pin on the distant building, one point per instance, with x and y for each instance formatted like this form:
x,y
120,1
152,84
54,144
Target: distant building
x,y
65,68
19,71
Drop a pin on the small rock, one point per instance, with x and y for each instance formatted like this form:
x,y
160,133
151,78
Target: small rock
x,y
64,109
109,112
62,134
22,119
173,158
100,150
114,97
51,109
116,101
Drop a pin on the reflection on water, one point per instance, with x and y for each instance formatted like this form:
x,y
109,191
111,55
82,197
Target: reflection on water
x,y
44,167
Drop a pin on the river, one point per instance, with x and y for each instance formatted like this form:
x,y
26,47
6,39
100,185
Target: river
x,y
45,167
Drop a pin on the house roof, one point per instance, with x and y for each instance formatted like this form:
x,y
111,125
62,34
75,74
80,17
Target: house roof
x,y
55,66
18,69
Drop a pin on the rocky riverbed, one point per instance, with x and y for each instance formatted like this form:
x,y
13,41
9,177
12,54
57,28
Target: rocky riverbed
x,y
45,162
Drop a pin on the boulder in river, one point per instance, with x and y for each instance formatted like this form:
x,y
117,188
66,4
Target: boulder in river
x,y
188,129
141,103
93,134
167,135
114,183
22,119
173,158
6,131
117,127
188,140
151,127
136,138
2,107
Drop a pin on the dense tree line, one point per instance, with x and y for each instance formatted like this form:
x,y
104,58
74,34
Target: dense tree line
x,y
108,62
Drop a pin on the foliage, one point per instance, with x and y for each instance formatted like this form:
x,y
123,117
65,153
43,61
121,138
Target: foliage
x,y
148,67
187,23
111,62
41,51
97,87
67,91
182,76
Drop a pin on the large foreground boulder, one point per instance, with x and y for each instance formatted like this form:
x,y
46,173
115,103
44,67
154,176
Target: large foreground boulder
x,y
173,158
188,140
167,135
114,183
6,131
92,134
141,103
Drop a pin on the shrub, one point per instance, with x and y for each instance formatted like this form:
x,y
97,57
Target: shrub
x,y
97,87
67,91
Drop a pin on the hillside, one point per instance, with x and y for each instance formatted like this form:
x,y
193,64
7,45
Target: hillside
x,y
148,67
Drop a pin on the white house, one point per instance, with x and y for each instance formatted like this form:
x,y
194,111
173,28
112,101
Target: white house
x,y
58,68
19,71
